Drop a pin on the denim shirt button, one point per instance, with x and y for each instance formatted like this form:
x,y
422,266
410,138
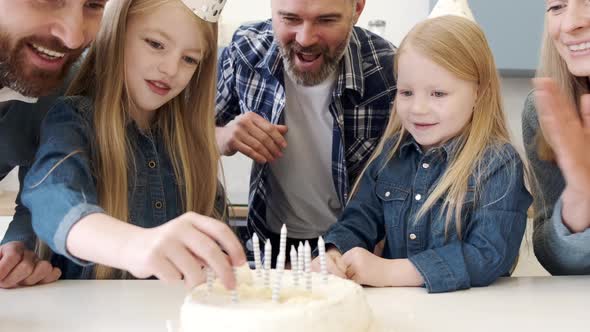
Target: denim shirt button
x,y
425,165
152,164
412,236
418,197
387,194
158,204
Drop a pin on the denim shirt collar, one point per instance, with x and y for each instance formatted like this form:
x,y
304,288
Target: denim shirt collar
x,y
447,150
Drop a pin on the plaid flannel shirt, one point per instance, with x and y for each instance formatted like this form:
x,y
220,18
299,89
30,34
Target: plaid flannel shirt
x,y
250,79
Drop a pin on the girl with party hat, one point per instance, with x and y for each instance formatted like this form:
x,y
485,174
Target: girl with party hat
x,y
445,188
125,179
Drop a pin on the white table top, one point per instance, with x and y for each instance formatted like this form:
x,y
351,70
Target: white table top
x,y
511,304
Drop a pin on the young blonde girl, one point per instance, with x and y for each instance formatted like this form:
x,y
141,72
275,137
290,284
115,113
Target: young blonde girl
x,y
445,188
126,172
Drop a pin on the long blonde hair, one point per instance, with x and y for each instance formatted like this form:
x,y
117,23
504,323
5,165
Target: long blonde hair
x,y
554,66
459,46
186,121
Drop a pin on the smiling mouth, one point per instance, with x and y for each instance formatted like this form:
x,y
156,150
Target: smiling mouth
x,y
46,53
158,87
306,57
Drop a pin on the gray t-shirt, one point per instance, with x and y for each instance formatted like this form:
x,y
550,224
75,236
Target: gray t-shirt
x,y
301,192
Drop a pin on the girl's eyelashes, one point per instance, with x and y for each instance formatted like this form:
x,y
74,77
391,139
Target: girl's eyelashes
x,y
405,93
439,94
154,44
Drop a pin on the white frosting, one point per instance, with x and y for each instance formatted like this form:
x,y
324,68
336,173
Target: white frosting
x,y
335,305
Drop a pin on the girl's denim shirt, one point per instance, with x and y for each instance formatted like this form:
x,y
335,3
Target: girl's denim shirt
x,y
493,215
60,191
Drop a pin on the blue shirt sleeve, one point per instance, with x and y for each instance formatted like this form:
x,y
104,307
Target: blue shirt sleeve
x,y
570,252
59,189
491,238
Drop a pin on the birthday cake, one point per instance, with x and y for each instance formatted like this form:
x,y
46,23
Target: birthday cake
x,y
333,304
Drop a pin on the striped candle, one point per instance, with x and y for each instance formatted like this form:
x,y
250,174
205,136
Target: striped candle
x,y
307,258
294,266
276,289
210,279
257,260
322,250
234,292
267,260
283,242
300,254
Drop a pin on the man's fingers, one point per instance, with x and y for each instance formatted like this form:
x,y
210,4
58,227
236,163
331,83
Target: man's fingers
x,y
265,142
52,277
253,143
23,269
41,270
12,254
251,153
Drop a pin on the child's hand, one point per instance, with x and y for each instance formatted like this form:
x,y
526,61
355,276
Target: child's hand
x,y
365,268
181,248
334,263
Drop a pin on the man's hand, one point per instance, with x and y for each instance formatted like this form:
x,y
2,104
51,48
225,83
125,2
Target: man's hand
x,y
22,267
569,136
253,136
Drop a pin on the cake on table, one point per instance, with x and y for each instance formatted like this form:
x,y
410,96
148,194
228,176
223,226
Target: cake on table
x,y
282,300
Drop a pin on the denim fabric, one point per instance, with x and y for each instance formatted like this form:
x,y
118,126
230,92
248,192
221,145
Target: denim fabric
x,y
390,195
250,79
59,192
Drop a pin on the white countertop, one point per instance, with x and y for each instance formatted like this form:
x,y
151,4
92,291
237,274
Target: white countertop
x,y
511,304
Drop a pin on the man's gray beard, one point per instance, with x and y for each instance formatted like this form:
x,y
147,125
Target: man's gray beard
x,y
330,65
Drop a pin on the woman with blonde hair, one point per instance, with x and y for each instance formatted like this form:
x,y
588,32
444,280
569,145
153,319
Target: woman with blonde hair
x,y
445,188
556,137
126,173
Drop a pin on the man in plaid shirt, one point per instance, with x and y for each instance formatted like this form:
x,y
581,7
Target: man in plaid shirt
x,y
307,96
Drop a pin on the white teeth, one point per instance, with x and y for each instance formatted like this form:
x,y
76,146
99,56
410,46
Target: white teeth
x,y
48,52
160,85
579,47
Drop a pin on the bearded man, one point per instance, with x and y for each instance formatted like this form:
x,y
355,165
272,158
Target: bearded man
x,y
306,95
40,40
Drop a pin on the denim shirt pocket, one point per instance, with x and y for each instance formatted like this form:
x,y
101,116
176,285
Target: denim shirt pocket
x,y
393,198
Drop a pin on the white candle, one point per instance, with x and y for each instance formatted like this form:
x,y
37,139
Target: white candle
x,y
283,242
210,279
267,260
322,250
294,266
307,266
276,289
234,292
257,260
300,255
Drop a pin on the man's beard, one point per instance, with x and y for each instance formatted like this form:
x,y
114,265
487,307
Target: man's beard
x,y
25,78
290,50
